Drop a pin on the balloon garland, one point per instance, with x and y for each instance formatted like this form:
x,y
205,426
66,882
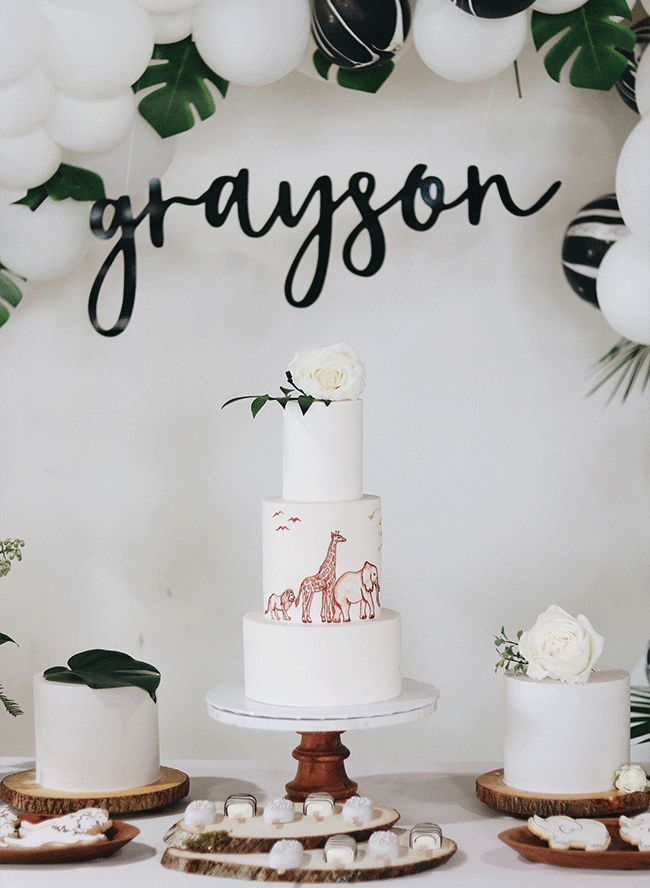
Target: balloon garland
x,y
88,100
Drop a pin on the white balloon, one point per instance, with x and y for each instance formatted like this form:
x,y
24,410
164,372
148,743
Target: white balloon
x,y
90,125
557,7
24,103
21,39
47,243
462,47
127,168
623,288
633,180
93,48
252,42
172,26
642,85
28,160
167,5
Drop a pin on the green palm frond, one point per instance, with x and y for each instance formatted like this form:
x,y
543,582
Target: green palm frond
x,y
10,705
627,364
640,715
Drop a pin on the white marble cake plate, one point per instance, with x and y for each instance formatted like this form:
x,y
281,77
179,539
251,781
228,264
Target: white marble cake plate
x,y
228,704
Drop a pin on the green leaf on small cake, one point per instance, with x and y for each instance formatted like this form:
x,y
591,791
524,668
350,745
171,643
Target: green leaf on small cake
x,y
99,669
258,403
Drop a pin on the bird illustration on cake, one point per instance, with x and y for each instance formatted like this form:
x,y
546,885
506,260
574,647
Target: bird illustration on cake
x,y
321,550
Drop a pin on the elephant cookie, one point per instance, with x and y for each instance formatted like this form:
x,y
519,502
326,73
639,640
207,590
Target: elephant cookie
x,y
563,833
636,831
83,827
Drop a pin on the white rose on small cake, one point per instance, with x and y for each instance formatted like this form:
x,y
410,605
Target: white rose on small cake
x,y
333,373
561,647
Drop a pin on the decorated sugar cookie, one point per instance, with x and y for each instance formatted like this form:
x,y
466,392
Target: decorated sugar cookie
x,y
84,827
563,833
636,831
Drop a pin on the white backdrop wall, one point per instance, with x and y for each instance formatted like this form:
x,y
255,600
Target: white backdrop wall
x,y
504,489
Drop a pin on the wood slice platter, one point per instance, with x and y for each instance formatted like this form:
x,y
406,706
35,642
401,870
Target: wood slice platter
x,y
619,856
494,793
256,867
232,836
117,836
22,792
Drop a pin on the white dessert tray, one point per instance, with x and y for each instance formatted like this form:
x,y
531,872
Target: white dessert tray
x,y
227,703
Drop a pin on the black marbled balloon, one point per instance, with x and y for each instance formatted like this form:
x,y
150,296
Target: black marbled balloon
x,y
360,33
590,234
493,8
626,84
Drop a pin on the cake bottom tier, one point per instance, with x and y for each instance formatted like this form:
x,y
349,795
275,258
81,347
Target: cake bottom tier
x,y
566,739
345,664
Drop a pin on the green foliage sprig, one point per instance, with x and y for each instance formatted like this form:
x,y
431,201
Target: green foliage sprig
x,y
590,42
508,650
293,394
10,550
100,669
181,78
626,361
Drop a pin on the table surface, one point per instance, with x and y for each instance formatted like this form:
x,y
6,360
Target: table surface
x,y
422,791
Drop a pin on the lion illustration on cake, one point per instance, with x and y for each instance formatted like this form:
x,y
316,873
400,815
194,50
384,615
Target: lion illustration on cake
x,y
278,605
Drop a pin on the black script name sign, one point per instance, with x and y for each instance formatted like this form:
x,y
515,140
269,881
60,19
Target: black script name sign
x,y
421,201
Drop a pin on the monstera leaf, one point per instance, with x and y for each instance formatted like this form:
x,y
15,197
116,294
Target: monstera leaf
x,y
106,669
180,74
364,79
68,182
589,34
10,293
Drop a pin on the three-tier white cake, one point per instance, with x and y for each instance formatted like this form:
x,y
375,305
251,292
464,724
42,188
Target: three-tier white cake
x,y
322,637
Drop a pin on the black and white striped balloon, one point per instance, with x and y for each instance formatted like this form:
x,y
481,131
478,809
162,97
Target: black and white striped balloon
x,y
592,231
493,8
360,33
626,84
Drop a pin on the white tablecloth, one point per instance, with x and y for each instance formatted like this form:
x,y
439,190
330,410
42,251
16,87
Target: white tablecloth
x,y
444,794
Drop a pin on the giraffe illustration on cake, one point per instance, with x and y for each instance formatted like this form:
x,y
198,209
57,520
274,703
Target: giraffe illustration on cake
x,y
323,582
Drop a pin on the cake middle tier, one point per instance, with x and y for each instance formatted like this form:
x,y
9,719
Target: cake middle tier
x,y
321,561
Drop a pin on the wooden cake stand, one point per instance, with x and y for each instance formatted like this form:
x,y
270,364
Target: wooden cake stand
x,y
494,793
321,755
21,791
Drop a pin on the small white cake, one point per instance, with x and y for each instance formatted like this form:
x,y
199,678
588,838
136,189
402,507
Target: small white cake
x,y
565,738
94,740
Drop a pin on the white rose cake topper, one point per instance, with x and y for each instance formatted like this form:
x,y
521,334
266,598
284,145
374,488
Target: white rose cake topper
x,y
558,646
316,375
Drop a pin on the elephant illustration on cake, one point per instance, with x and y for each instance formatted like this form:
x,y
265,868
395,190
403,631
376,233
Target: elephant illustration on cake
x,y
278,605
321,582
357,587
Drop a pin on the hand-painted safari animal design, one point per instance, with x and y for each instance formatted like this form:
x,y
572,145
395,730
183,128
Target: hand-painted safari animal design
x,y
323,582
636,831
278,605
357,587
563,832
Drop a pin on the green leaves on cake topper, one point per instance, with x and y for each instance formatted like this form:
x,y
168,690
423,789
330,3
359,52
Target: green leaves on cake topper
x,y
293,394
99,669
182,80
590,42
10,705
509,657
